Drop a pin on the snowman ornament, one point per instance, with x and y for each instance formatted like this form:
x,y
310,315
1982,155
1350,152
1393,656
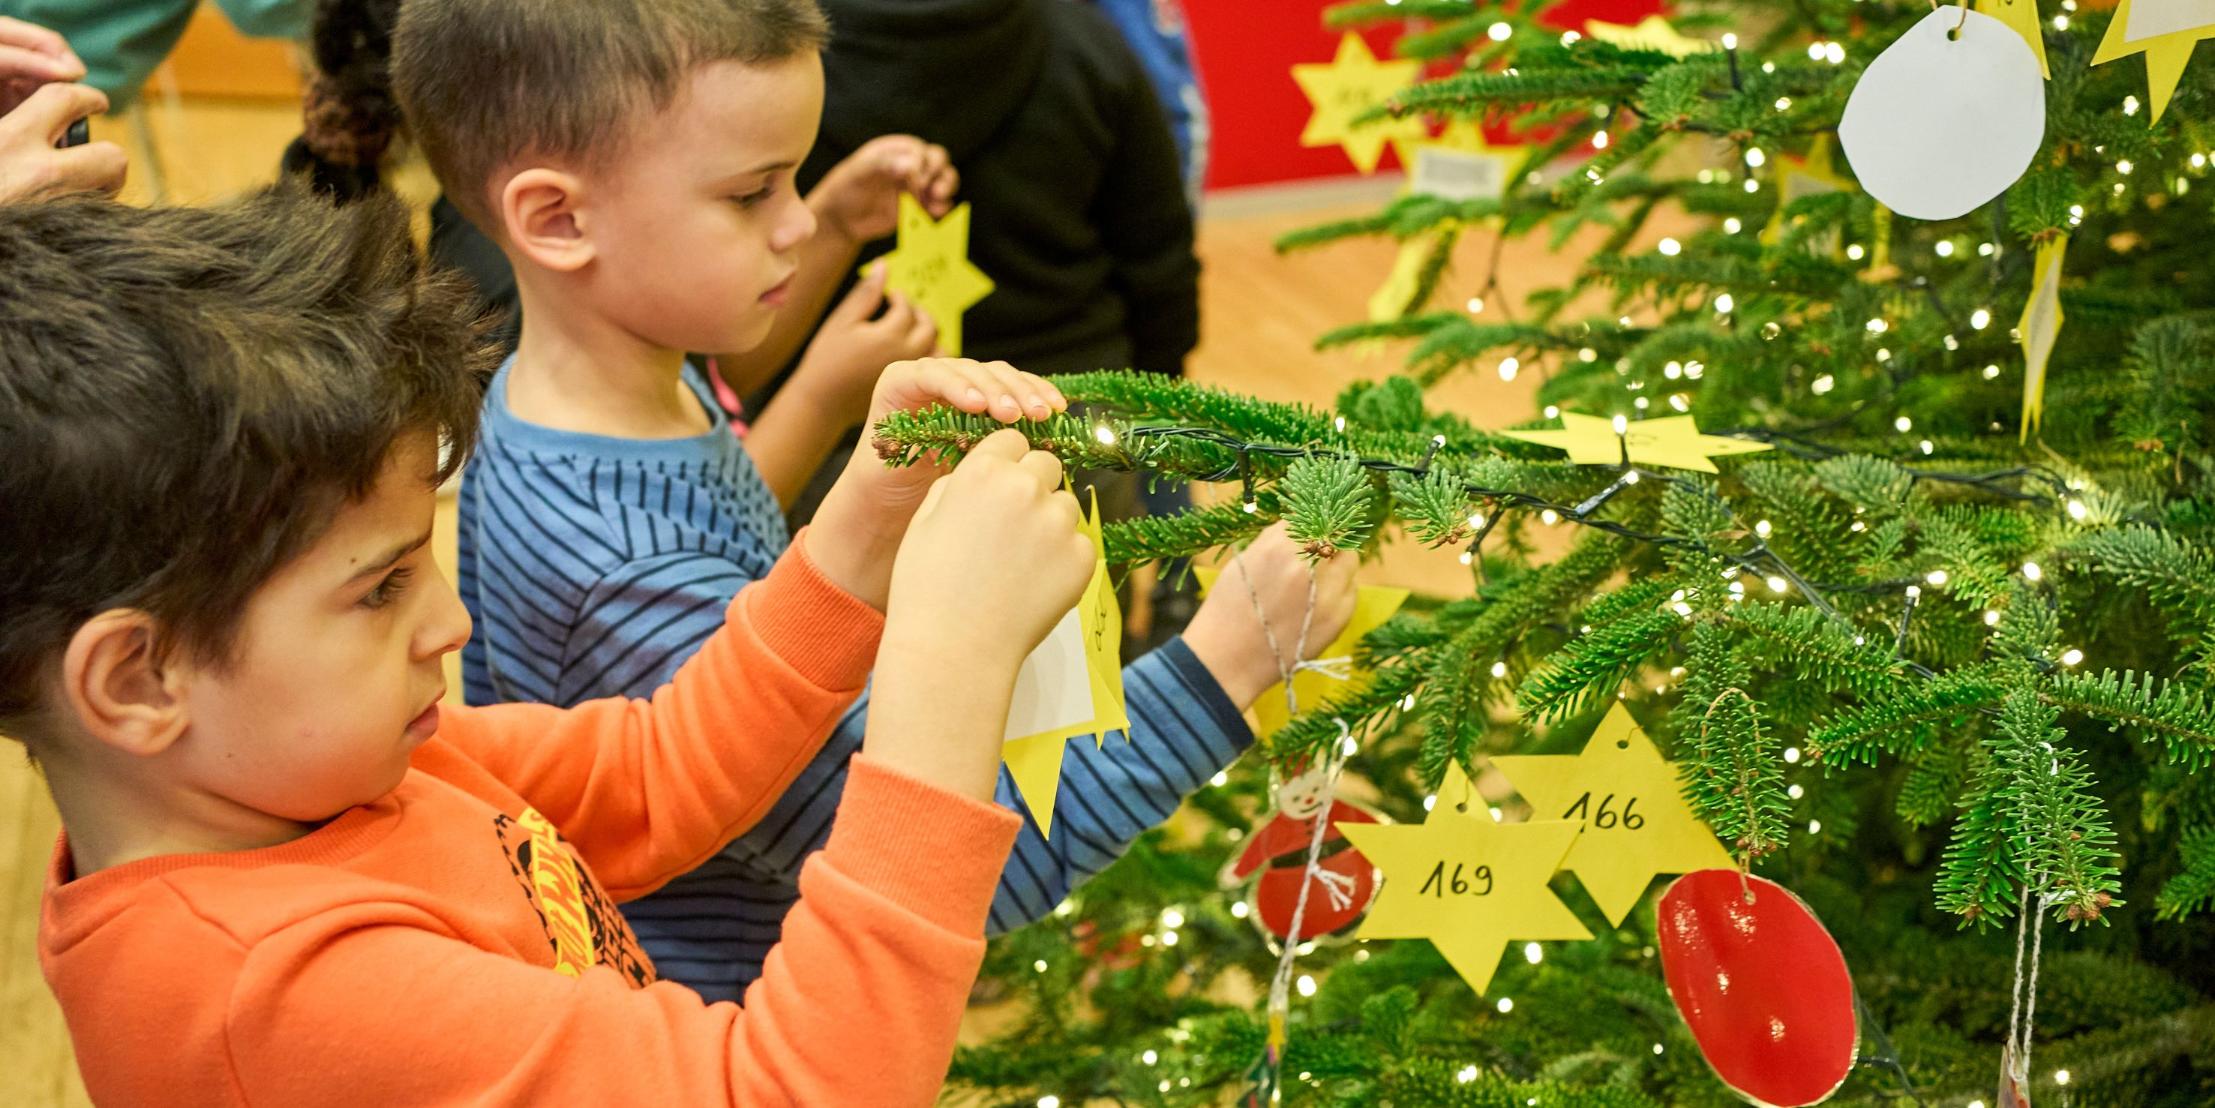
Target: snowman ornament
x,y
1340,887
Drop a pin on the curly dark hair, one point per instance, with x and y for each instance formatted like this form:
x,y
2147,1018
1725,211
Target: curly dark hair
x,y
349,117
188,395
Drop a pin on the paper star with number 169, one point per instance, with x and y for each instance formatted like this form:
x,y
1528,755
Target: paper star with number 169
x,y
1470,886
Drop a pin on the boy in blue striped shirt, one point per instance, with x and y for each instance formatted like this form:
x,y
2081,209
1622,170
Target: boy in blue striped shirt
x,y
635,163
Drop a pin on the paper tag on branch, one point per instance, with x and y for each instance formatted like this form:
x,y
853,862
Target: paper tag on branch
x,y
1468,884
1071,685
1637,824
2040,327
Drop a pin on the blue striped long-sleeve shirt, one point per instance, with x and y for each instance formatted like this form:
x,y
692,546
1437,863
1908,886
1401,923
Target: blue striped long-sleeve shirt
x,y
595,566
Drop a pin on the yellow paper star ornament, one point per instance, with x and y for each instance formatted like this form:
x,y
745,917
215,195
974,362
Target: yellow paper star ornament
x,y
1345,87
1373,604
1673,441
2039,328
931,267
1470,886
1071,685
2165,31
1650,33
2022,16
1637,824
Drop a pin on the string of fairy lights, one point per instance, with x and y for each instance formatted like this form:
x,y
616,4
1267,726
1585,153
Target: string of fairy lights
x,y
1758,566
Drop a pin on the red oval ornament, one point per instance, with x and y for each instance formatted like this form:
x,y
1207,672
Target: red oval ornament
x,y
1762,986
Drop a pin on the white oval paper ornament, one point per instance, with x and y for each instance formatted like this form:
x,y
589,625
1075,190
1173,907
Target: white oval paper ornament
x,y
1941,123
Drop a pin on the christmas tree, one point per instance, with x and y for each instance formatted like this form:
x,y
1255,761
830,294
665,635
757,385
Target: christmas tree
x,y
1936,658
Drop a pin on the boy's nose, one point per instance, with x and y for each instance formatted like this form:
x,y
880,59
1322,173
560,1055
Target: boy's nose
x,y
448,625
796,227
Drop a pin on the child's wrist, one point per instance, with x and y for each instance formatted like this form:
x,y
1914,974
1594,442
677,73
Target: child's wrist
x,y
1233,659
853,547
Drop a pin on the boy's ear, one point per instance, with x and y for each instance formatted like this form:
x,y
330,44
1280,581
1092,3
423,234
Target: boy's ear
x,y
541,213
117,687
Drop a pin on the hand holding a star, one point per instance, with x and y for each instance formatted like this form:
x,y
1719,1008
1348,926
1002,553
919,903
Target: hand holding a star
x,y
859,199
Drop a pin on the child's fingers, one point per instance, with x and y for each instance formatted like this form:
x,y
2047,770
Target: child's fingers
x,y
934,179
1044,466
948,381
1054,397
1005,407
31,36
1024,392
899,313
1004,445
921,332
867,296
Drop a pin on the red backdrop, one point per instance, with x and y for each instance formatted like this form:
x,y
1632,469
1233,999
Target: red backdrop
x,y
1246,50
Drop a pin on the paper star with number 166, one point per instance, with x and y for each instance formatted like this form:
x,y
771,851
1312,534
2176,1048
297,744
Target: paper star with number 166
x,y
1631,802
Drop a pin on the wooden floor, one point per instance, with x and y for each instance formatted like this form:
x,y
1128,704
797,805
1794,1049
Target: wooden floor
x,y
1261,312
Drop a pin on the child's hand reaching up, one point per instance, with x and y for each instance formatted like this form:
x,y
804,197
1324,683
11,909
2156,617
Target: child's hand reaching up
x,y
863,517
1228,637
992,561
859,199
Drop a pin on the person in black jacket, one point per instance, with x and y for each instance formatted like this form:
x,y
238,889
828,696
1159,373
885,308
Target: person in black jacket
x,y
1080,216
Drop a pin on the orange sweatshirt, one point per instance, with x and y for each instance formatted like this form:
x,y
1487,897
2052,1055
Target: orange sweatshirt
x,y
456,942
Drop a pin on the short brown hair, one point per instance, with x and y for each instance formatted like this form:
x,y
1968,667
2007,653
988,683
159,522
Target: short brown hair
x,y
484,82
187,395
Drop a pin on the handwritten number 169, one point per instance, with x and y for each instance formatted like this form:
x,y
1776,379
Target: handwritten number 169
x,y
1439,882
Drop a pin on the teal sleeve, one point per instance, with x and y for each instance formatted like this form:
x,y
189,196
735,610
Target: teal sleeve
x,y
122,42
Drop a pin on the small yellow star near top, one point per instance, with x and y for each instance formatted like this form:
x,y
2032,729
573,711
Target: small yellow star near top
x,y
931,267
1650,33
1348,85
1470,886
1673,441
1636,821
2166,34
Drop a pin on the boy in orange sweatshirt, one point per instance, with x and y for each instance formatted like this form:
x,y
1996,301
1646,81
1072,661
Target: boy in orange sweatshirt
x,y
287,875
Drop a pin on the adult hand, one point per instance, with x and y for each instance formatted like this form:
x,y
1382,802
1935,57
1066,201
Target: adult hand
x,y
31,56
30,166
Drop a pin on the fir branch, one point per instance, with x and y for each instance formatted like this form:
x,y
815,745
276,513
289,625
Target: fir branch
x,y
1160,538
1624,636
1332,504
2179,716
2192,888
1459,93
1736,777
2067,847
